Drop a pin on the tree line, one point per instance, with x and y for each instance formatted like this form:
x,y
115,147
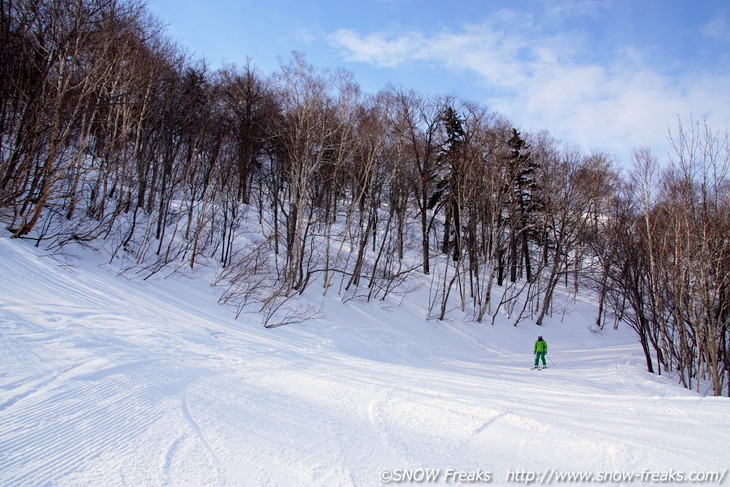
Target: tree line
x,y
113,137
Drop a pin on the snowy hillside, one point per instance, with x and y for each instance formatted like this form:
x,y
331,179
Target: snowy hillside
x,y
107,381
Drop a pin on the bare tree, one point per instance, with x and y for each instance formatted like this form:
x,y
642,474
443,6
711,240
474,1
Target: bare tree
x,y
419,132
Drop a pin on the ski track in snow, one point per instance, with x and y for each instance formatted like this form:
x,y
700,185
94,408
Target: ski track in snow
x,y
72,423
105,381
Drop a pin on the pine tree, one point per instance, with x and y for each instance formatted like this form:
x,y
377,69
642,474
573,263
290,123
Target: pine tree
x,y
524,203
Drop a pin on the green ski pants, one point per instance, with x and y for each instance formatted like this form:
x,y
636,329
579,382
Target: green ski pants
x,y
538,356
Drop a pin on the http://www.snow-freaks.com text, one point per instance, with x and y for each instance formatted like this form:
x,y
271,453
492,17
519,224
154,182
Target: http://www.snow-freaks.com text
x,y
550,476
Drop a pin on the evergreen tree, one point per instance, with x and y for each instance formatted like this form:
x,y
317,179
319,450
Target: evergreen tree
x,y
523,204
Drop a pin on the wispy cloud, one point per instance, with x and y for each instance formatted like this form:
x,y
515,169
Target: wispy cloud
x,y
576,8
550,81
717,29
378,48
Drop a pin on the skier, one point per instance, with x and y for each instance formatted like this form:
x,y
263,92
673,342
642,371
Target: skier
x,y
540,352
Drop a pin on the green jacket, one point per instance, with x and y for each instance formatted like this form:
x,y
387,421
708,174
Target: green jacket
x,y
541,346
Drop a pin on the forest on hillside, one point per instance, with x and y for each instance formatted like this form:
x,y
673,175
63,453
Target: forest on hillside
x,y
111,136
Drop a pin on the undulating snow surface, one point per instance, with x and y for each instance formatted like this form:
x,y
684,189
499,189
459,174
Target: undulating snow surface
x,y
106,381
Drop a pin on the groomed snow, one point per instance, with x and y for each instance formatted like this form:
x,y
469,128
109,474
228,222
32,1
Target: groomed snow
x,y
106,381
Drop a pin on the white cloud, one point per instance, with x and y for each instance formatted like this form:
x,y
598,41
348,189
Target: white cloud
x,y
378,49
717,29
576,8
615,105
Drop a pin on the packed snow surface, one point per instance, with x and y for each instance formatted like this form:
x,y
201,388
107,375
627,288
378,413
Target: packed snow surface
x,y
112,381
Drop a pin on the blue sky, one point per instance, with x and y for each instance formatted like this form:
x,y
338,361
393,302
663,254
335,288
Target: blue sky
x,y
607,75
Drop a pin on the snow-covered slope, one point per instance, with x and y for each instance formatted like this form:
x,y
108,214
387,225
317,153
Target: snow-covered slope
x,y
106,381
